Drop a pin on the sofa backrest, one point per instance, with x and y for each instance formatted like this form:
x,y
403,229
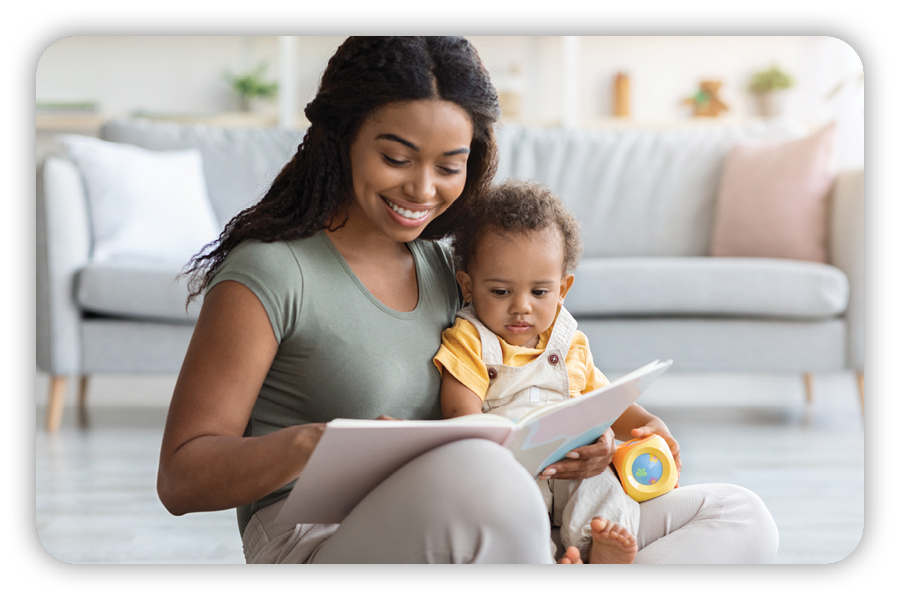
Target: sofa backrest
x,y
239,163
637,191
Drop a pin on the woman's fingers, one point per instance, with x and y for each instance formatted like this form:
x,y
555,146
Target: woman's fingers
x,y
584,461
602,447
581,468
577,469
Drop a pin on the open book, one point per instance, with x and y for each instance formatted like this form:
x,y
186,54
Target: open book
x,y
354,456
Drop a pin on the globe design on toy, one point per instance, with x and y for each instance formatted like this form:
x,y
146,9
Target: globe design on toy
x,y
647,469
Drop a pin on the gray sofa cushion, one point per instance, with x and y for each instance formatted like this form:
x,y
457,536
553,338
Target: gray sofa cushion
x,y
239,163
636,192
134,290
704,286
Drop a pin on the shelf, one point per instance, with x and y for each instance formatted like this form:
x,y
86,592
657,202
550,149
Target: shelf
x,y
63,123
92,123
630,123
222,119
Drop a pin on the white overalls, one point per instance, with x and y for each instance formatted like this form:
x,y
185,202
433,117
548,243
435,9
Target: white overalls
x,y
513,391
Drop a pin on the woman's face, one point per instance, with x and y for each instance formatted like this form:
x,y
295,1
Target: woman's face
x,y
409,165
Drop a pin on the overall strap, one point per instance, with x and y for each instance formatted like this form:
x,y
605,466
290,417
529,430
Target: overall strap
x,y
563,331
491,353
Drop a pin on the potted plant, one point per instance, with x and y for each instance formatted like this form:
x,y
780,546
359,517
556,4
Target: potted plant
x,y
769,87
252,86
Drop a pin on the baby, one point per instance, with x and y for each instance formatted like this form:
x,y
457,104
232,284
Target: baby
x,y
515,258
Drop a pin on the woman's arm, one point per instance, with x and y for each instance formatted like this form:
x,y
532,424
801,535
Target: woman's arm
x,y
205,462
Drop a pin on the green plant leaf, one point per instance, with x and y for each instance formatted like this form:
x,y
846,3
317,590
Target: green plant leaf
x,y
253,85
769,80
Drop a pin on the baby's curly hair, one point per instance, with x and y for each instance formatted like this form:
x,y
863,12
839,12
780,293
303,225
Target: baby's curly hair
x,y
516,206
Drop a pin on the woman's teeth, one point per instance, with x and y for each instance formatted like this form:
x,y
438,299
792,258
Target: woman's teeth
x,y
406,213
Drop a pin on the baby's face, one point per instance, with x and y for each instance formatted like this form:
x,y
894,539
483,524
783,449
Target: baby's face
x,y
517,283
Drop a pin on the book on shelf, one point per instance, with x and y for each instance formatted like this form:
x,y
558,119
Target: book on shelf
x,y
354,456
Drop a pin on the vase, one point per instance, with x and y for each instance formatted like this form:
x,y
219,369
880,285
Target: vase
x,y
771,104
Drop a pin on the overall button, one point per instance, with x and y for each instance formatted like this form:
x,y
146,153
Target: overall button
x,y
553,358
492,373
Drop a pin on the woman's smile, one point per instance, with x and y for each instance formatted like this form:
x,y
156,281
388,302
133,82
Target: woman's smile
x,y
406,216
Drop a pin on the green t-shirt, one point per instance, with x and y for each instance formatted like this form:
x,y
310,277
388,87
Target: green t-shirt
x,y
341,352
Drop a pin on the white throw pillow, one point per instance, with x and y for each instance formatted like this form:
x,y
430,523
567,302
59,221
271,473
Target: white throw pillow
x,y
143,204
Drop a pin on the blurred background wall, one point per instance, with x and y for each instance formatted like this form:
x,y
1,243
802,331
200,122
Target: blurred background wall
x,y
553,79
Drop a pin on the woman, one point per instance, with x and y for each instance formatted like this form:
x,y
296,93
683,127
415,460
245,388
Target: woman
x,y
327,299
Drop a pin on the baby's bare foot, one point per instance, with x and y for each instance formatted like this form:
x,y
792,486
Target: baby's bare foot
x,y
571,557
611,543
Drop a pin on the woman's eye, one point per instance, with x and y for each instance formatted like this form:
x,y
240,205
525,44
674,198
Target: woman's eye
x,y
451,171
394,161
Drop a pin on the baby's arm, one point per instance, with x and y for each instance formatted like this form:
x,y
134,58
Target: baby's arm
x,y
636,422
456,399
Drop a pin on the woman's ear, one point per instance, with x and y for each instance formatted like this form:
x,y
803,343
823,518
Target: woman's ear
x,y
564,286
465,284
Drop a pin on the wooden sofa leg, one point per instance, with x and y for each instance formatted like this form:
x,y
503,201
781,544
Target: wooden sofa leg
x,y
56,402
860,382
809,382
82,401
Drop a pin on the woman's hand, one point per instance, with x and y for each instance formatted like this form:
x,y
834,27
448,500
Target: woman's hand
x,y
583,462
656,425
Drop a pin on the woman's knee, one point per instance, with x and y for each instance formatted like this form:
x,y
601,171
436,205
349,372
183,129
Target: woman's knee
x,y
482,483
483,476
745,509
467,501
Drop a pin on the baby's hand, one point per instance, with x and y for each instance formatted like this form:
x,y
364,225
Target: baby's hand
x,y
656,425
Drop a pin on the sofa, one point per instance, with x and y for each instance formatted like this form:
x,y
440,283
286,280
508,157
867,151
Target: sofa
x,y
649,285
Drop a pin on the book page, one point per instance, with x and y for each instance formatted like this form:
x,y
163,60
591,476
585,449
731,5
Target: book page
x,y
546,436
634,375
354,456
486,418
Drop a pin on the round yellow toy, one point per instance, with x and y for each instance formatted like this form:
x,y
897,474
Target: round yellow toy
x,y
646,467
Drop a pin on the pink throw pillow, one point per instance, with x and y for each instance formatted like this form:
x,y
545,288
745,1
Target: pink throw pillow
x,y
773,199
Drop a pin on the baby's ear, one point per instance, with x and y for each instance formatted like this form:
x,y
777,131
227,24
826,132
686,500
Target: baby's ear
x,y
565,285
465,284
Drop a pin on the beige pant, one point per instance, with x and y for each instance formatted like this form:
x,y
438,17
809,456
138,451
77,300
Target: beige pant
x,y
465,502
471,502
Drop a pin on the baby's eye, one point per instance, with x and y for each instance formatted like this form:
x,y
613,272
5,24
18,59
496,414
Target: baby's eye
x,y
539,293
499,293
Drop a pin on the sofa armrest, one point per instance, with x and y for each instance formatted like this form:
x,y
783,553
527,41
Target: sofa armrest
x,y
847,250
63,247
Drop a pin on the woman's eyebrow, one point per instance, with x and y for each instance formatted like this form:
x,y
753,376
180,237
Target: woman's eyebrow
x,y
411,146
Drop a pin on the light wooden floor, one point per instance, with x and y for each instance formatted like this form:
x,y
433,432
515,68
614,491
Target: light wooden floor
x,y
96,499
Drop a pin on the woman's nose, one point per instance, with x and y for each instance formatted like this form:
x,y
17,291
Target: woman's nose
x,y
421,185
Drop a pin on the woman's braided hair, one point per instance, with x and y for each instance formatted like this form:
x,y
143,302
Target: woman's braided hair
x,y
364,74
